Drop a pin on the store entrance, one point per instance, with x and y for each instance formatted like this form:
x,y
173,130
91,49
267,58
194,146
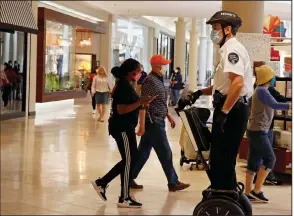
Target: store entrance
x,y
13,74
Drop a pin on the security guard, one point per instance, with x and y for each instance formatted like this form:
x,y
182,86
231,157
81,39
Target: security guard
x,y
233,84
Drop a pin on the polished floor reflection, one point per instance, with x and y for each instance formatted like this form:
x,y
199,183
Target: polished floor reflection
x,y
47,164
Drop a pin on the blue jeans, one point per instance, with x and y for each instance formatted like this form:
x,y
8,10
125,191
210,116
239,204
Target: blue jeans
x,y
270,136
155,137
260,149
175,96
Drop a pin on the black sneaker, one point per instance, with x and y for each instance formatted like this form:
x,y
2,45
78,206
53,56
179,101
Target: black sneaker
x,y
251,198
128,203
135,186
100,188
259,196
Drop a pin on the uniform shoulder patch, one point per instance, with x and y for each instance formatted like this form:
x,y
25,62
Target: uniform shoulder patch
x,y
233,58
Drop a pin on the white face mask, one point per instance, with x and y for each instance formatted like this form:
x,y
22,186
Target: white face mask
x,y
214,36
163,70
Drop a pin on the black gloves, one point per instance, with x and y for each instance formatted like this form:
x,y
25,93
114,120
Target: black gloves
x,y
188,100
220,121
196,95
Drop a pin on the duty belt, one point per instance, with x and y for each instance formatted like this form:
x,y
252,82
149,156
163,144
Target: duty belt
x,y
219,98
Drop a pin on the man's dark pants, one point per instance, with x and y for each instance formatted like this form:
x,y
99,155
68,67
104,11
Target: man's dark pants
x,y
225,146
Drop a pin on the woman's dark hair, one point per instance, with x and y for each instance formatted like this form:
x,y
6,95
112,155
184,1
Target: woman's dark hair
x,y
128,66
178,68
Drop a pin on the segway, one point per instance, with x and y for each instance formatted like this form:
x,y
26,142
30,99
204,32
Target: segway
x,y
214,202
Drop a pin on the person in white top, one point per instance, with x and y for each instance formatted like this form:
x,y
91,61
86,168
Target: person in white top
x,y
101,89
233,84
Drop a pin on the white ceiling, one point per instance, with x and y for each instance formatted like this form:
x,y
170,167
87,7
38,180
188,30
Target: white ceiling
x,y
198,9
164,13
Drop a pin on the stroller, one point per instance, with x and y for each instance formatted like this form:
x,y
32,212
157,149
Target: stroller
x,y
214,202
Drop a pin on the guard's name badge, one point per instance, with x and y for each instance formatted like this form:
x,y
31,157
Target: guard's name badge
x,y
233,58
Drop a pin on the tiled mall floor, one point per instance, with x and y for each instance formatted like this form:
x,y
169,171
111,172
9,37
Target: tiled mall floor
x,y
47,163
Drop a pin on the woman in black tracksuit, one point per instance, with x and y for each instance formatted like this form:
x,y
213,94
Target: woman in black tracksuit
x,y
122,123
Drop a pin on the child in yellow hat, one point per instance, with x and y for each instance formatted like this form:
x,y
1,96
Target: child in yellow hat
x,y
262,112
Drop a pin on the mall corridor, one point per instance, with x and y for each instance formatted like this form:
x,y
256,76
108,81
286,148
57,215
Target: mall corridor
x,y
48,161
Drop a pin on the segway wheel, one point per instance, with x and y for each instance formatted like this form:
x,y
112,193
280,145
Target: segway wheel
x,y
181,161
218,206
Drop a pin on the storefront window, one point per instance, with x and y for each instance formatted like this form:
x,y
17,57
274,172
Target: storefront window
x,y
83,70
12,72
127,41
61,73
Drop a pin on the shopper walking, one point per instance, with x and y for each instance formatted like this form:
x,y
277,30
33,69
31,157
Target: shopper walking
x,y
101,89
141,80
89,88
271,178
233,85
153,130
5,86
176,86
260,147
122,123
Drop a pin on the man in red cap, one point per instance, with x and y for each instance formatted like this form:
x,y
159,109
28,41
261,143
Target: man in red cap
x,y
153,130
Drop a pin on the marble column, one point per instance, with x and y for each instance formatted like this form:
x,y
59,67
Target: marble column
x,y
251,13
6,47
202,54
180,45
20,49
152,46
15,44
106,47
193,56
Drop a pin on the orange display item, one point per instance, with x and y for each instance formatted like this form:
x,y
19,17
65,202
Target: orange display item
x,y
271,23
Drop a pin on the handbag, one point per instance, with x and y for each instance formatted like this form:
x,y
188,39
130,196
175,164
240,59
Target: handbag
x,y
183,85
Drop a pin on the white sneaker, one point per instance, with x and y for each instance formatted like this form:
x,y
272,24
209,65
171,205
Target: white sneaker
x,y
93,112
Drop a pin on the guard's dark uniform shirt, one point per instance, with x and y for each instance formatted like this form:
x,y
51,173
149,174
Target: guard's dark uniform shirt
x,y
123,93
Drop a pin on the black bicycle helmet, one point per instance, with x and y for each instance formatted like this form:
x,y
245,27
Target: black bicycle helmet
x,y
226,18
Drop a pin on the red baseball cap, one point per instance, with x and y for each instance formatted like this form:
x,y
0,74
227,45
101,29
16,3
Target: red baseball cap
x,y
159,59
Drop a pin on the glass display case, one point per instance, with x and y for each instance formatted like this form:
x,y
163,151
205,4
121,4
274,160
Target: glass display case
x,y
83,70
66,55
60,57
13,72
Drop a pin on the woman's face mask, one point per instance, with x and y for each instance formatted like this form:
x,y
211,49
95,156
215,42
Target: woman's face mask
x,y
214,36
273,81
136,76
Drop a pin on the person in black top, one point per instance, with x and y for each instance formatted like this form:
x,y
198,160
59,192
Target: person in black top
x,y
140,81
176,86
122,123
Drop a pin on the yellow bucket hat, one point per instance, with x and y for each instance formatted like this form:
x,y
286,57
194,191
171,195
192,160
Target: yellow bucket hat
x,y
264,74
